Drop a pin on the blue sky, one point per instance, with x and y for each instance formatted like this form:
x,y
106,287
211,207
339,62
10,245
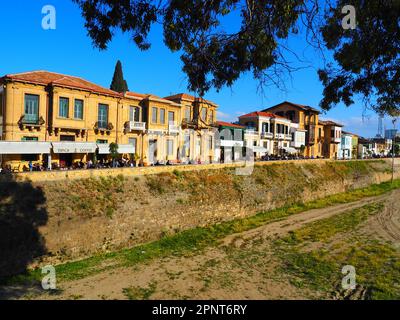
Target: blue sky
x,y
68,49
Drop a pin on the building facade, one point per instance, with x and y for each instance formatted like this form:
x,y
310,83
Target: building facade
x,y
346,146
307,119
271,134
59,120
230,144
199,126
332,136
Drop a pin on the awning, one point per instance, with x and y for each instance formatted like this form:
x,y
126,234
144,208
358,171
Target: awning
x,y
126,148
231,143
74,147
259,149
24,147
290,150
104,148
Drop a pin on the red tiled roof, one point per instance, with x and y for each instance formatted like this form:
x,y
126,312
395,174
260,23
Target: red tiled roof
x,y
146,96
57,79
329,123
261,114
228,124
346,132
188,97
300,106
135,94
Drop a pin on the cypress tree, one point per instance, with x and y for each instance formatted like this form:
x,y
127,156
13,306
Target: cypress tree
x,y
118,82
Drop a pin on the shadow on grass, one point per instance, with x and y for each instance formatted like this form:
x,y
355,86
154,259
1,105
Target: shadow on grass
x,y
22,212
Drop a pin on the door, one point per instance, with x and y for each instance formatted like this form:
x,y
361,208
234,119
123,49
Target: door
x,y
152,151
66,158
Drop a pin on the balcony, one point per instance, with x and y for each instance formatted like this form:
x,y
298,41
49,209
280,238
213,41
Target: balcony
x,y
335,140
288,137
187,122
135,126
173,128
103,126
267,135
31,121
251,131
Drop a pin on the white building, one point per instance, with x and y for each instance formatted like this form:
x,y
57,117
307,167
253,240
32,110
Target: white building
x,y
345,146
270,134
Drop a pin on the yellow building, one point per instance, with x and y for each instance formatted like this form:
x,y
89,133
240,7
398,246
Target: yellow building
x,y
64,119
162,139
307,118
59,120
331,139
198,122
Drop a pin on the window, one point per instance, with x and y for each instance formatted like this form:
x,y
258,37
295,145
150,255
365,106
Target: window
x,y
30,139
187,113
63,107
250,125
154,115
99,141
137,114
131,113
210,143
171,117
31,108
170,147
162,116
133,141
78,109
204,114
67,138
102,116
319,132
186,146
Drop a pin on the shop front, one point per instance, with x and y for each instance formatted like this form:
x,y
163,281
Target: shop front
x,y
19,155
67,153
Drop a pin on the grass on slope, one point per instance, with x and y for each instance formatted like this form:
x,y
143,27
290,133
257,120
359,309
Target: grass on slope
x,y
377,263
187,242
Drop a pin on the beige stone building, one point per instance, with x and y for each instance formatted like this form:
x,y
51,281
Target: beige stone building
x,y
56,119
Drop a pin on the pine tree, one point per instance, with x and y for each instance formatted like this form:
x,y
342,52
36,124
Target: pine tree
x,y
118,83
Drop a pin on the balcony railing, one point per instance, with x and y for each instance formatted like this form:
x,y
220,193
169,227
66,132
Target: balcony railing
x,y
251,131
173,128
103,125
30,119
136,125
187,122
267,135
288,137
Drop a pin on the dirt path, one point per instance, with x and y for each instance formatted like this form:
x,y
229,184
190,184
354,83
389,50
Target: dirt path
x,y
224,272
296,221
